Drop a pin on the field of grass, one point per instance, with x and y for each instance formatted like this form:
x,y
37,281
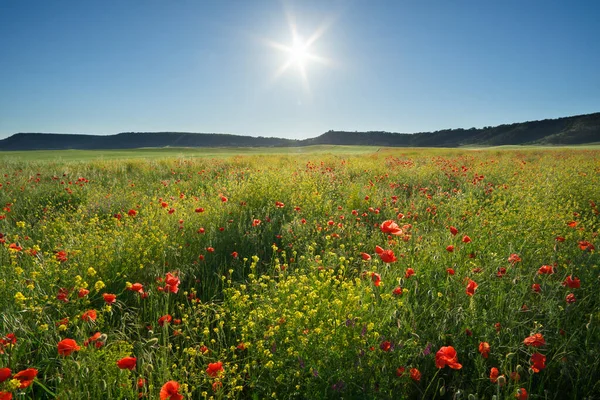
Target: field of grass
x,y
316,273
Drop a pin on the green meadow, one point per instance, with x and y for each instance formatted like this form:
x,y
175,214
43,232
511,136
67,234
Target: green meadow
x,y
308,273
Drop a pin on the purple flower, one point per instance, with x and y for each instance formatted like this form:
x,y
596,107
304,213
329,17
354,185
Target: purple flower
x,y
427,349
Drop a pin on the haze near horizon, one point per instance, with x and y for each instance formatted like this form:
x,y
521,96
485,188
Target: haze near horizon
x,y
293,69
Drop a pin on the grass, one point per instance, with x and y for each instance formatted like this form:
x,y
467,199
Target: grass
x,y
258,273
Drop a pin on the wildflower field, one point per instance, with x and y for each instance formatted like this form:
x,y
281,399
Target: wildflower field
x,y
400,273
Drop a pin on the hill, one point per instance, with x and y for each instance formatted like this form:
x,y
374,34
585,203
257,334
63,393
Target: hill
x,y
580,129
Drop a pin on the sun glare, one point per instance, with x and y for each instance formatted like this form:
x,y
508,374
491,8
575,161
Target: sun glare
x,y
299,52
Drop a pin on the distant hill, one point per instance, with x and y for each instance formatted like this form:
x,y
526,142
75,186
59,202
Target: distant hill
x,y
580,129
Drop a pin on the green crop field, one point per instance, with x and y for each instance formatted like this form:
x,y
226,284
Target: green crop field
x,y
307,273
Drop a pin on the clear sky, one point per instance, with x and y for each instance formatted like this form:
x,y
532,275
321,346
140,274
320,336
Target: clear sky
x,y
111,66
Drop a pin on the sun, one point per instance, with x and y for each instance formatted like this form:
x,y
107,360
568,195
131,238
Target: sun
x,y
299,51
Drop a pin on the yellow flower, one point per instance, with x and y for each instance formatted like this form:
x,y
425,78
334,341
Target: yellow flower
x,y
91,271
19,297
99,285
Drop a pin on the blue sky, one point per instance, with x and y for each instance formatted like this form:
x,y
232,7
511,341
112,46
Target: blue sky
x,y
105,67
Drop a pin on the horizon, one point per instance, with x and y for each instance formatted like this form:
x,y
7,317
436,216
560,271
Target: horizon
x,y
293,69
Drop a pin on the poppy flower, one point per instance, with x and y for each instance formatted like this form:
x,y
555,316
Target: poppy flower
x,y
571,298
397,291
89,315
415,374
217,385
446,356
494,373
450,248
390,227
559,239
378,249
127,363
82,293
224,199
164,319
170,391
501,272
484,349
365,256
453,230
93,338
471,287
514,258
450,271
385,346
214,369
573,283
109,297
5,395
400,371
572,224
61,256
466,239
536,287
409,272
172,283
546,269
5,373
538,362
26,377
521,394
387,256
535,340
63,295
137,287
585,245
376,278
67,346
132,213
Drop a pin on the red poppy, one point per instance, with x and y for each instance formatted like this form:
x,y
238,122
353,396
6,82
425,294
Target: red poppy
x,y
450,248
378,249
376,278
484,349
5,395
521,394
494,373
466,239
61,256
571,298
365,256
214,369
385,345
63,295
89,315
137,287
453,230
164,319
224,199
572,224
471,287
127,363
170,391
538,362
390,227
5,373
585,245
67,346
172,283
400,371
514,258
501,272
446,356
132,213
409,272
93,338
536,287
26,377
387,256
234,254
573,283
82,293
546,269
559,239
415,374
217,385
535,340
397,291
109,297
450,271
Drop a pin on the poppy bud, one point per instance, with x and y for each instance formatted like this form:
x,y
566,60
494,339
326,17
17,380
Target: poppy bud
x,y
519,369
472,397
501,380
442,390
